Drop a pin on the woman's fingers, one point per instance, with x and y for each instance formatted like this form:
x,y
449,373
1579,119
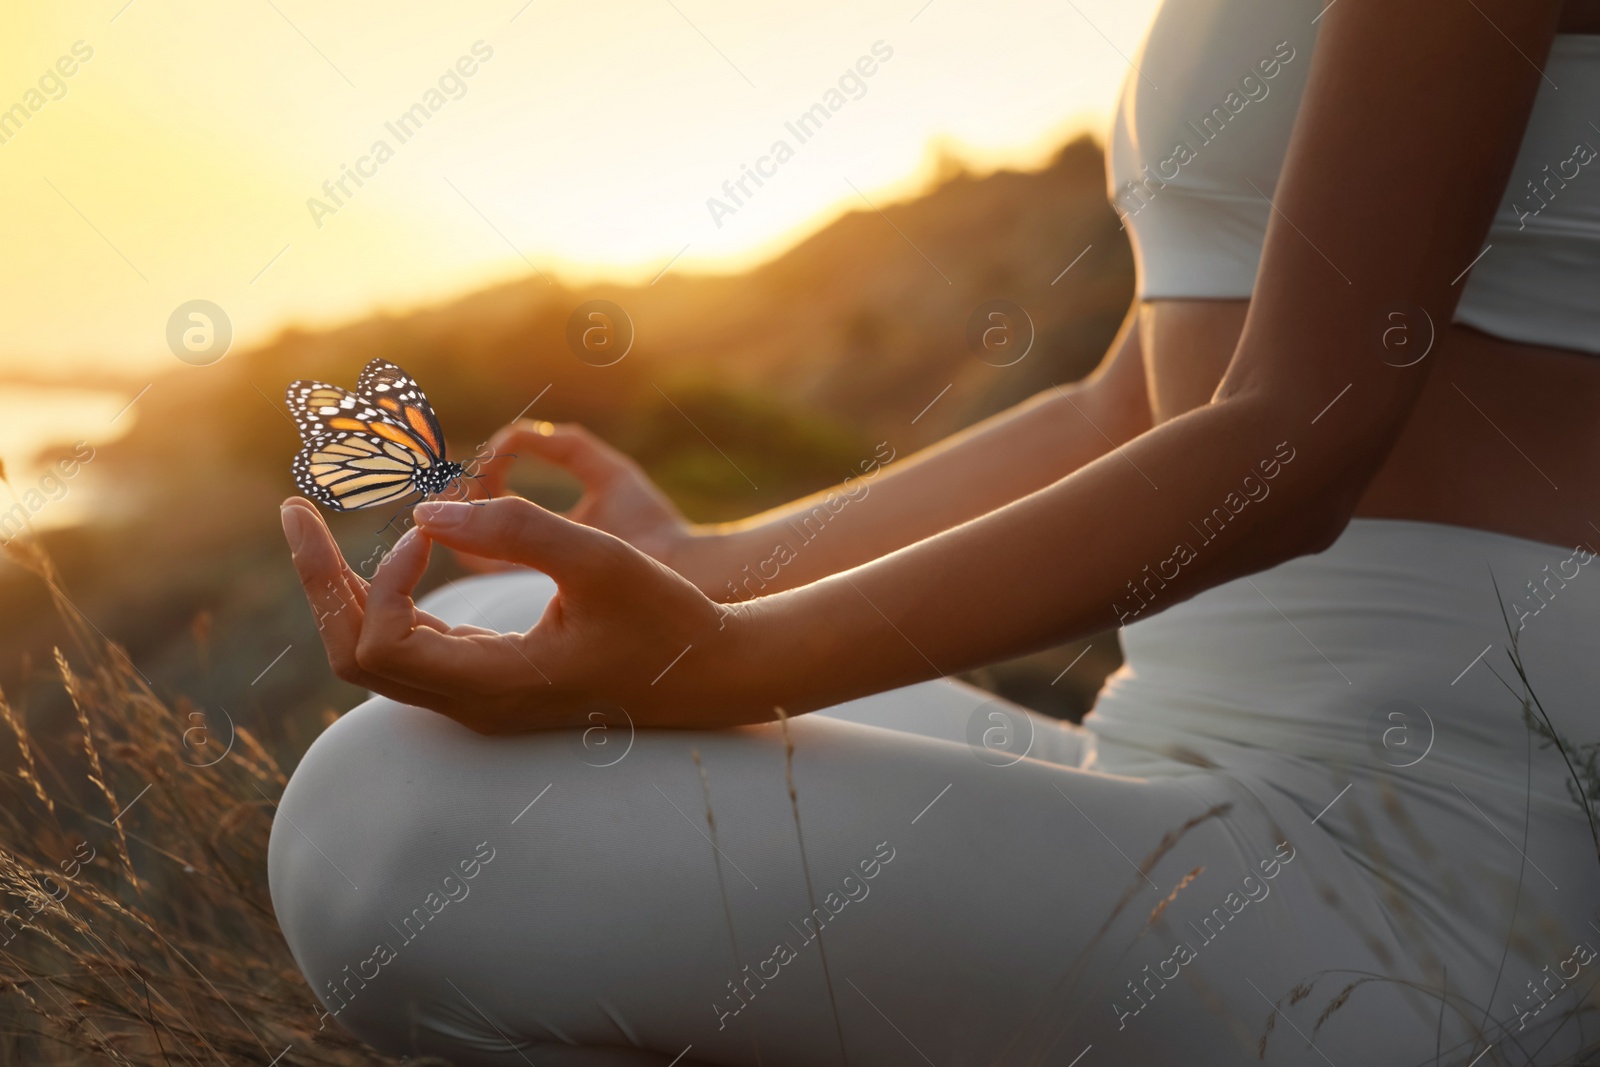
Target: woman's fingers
x,y
568,446
317,560
375,636
390,608
453,663
338,599
454,670
515,530
479,565
614,606
354,583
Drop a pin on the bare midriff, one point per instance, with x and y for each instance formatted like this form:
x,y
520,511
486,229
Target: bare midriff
x,y
1505,436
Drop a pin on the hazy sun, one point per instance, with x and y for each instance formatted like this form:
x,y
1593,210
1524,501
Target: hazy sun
x,y
292,161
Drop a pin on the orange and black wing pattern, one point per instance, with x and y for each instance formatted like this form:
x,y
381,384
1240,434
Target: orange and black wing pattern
x,y
386,386
371,447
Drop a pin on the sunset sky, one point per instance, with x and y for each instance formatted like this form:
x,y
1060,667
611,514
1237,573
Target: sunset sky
x,y
176,160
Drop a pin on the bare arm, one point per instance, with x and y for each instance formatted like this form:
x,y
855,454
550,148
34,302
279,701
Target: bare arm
x,y
968,474
880,509
1366,214
1343,247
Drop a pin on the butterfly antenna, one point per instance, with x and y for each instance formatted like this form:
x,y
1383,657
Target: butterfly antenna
x,y
477,503
498,455
467,472
385,526
458,479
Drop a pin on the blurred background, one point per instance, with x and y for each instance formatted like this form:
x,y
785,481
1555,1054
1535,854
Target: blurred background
x,y
164,159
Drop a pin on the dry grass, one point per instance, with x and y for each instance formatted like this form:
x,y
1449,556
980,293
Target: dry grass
x,y
137,927
1499,1043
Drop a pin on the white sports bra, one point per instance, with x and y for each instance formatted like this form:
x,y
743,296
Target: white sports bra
x,y
1203,125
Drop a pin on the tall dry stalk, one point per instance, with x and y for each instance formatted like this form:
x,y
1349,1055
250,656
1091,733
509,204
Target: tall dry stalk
x,y
805,871
136,925
1582,762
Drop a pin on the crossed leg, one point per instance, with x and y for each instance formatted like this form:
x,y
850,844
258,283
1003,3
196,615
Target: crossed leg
x,y
540,899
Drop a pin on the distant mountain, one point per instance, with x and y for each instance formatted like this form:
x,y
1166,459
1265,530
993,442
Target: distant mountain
x,y
780,378
858,327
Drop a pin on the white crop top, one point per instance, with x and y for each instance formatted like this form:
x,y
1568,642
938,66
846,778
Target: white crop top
x,y
1183,158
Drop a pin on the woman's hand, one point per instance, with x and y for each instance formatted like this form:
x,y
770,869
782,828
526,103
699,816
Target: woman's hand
x,y
618,497
622,631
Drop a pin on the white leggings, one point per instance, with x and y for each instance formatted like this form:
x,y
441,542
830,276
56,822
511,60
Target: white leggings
x,y
588,898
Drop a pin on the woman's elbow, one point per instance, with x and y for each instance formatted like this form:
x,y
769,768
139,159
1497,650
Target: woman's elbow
x,y
1316,522
1326,531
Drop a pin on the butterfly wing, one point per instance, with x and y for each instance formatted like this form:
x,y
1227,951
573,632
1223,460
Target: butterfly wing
x,y
384,386
314,404
349,469
358,454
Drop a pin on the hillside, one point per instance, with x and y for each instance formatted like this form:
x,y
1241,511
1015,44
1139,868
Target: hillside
x,y
793,370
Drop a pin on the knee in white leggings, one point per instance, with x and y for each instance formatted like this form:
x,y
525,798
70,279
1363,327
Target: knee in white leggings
x,y
514,900
414,863
948,709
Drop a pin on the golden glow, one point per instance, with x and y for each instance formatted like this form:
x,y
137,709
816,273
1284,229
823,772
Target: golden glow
x,y
178,161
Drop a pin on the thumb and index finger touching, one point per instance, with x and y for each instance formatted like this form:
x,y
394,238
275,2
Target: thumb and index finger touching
x,y
515,530
568,446
507,528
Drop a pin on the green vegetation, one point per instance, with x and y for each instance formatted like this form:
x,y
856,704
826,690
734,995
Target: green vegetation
x,y
176,610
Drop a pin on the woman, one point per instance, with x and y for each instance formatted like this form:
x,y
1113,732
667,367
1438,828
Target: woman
x,y
1338,456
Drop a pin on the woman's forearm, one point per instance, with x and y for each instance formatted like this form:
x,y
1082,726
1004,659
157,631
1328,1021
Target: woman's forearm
x,y
1170,514
884,508
1220,492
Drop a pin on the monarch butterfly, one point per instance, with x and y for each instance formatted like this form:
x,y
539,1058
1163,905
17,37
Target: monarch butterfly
x,y
370,447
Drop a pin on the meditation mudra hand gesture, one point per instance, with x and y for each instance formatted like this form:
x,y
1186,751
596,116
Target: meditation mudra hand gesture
x,y
618,497
1296,522
639,620
619,620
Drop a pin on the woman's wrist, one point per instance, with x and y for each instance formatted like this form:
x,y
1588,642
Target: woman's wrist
x,y
765,659
711,557
801,649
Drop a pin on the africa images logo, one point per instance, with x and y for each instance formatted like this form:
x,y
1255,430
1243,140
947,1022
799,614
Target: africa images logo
x,y
451,85
806,126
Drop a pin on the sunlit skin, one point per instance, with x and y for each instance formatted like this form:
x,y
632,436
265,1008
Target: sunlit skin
x,y
1022,532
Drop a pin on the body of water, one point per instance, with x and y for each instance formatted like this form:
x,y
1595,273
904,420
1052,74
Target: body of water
x,y
34,419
